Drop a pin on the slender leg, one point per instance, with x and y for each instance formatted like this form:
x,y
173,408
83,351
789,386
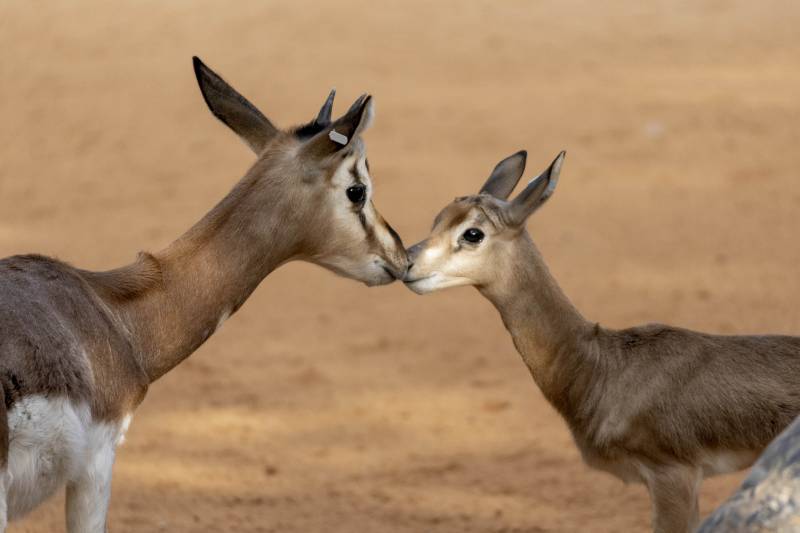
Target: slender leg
x,y
673,490
89,494
5,481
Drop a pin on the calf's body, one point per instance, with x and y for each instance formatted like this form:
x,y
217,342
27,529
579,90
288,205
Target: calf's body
x,y
654,404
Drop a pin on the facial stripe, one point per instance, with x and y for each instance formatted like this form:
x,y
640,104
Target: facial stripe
x,y
380,238
369,229
450,219
361,171
354,173
397,240
379,234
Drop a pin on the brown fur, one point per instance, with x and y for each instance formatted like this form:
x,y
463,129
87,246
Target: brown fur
x,y
654,403
127,282
101,338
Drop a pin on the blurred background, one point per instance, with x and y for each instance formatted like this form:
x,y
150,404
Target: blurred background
x,y
325,406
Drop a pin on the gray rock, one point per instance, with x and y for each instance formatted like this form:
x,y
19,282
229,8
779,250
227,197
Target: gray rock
x,y
769,498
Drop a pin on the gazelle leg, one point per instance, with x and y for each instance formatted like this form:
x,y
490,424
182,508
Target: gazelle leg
x,y
5,481
89,494
673,490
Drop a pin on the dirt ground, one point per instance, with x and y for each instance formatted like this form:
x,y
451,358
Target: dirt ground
x,y
324,406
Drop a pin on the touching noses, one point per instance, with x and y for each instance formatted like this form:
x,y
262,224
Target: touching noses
x,y
412,253
399,267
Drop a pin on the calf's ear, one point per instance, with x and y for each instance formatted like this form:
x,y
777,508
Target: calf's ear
x,y
505,175
536,193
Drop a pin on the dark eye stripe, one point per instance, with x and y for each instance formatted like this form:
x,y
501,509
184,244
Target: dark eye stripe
x,y
394,234
354,173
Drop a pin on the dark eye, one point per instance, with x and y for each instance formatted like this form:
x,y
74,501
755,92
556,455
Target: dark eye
x,y
356,193
473,235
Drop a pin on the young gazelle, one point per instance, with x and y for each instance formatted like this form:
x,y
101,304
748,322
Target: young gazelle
x,y
656,404
79,349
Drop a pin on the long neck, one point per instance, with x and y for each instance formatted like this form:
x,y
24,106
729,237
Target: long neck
x,y
546,328
208,273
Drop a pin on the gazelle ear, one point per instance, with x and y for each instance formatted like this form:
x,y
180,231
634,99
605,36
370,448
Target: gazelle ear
x,y
536,192
505,175
357,119
344,130
233,109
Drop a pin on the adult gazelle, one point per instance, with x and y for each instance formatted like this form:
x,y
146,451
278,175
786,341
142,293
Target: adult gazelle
x,y
78,349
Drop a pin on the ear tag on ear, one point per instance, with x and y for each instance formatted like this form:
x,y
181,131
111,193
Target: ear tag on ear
x,y
337,137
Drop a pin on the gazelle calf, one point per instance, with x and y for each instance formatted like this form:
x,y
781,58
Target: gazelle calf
x,y
79,349
656,404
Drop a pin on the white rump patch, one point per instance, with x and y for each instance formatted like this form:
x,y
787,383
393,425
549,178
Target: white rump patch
x,y
48,445
53,441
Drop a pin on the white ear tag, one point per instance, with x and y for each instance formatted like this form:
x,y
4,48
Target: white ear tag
x,y
337,137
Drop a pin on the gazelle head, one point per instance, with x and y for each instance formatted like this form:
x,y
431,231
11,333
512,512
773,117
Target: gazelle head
x,y
311,185
475,236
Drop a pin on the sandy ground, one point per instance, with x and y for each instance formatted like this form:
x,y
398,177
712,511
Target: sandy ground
x,y
326,406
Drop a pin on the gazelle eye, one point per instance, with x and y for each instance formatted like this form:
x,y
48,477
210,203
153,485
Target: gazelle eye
x,y
473,235
356,193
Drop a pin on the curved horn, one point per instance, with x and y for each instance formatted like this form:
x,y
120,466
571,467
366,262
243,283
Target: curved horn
x,y
324,116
